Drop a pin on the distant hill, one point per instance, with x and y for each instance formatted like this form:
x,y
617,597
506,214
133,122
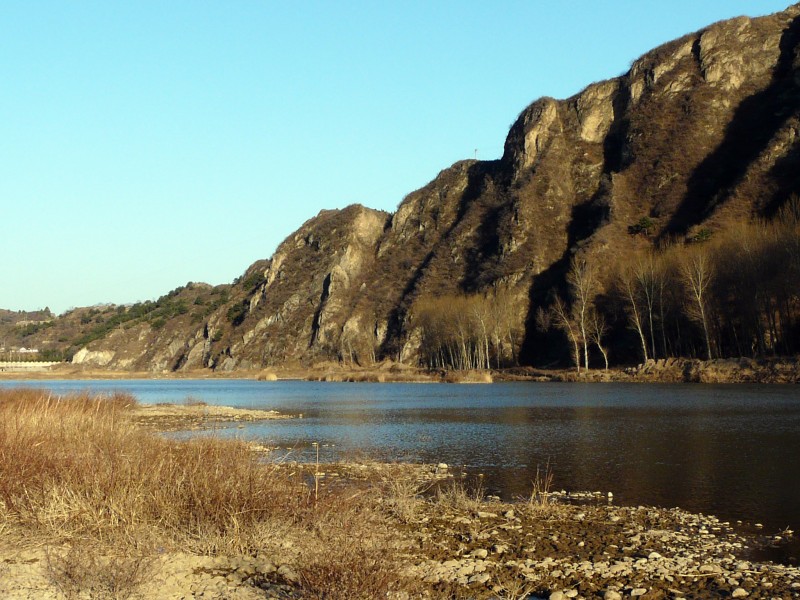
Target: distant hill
x,y
690,158
19,316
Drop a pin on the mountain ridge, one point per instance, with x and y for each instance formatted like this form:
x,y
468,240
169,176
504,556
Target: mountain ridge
x,y
698,136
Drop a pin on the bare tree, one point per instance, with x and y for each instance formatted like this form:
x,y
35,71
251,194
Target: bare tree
x,y
664,276
563,318
697,275
458,332
582,282
481,312
506,323
628,285
647,281
597,332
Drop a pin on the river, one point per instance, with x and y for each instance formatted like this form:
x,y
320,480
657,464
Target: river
x,y
728,450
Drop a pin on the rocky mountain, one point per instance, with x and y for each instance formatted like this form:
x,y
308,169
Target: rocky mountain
x,y
699,135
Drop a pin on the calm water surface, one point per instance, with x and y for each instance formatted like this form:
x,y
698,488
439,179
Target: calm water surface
x,y
733,451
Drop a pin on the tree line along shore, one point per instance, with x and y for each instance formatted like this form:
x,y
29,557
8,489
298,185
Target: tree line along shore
x,y
671,370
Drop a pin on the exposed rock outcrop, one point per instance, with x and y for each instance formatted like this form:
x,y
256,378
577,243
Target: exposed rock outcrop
x,y
701,131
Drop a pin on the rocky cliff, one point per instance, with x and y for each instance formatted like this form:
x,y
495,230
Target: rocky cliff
x,y
699,134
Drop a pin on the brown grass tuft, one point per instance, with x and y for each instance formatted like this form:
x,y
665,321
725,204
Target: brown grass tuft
x,y
457,497
541,486
403,497
357,556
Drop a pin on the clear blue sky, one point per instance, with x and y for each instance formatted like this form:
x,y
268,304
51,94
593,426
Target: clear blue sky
x,y
144,144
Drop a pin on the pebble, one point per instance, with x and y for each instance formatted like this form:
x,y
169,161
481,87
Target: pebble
x,y
739,593
710,568
480,578
452,563
612,595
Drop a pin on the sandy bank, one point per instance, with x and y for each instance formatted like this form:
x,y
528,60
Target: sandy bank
x,y
174,417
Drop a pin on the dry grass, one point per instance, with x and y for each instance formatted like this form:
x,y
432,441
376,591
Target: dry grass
x,y
75,467
80,569
77,476
457,497
512,585
541,486
403,498
471,376
359,555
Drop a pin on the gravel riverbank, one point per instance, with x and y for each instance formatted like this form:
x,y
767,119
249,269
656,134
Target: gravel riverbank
x,y
359,531
606,552
465,548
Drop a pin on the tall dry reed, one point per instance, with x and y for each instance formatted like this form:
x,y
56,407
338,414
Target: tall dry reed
x,y
77,473
76,466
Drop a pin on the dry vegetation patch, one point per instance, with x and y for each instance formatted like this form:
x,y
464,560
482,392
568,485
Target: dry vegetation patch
x,y
98,499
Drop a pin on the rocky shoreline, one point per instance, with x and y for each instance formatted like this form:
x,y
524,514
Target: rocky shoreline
x,y
671,370
447,540
596,552
470,548
692,370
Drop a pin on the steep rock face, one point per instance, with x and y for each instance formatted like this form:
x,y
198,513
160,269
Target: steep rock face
x,y
699,133
308,292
